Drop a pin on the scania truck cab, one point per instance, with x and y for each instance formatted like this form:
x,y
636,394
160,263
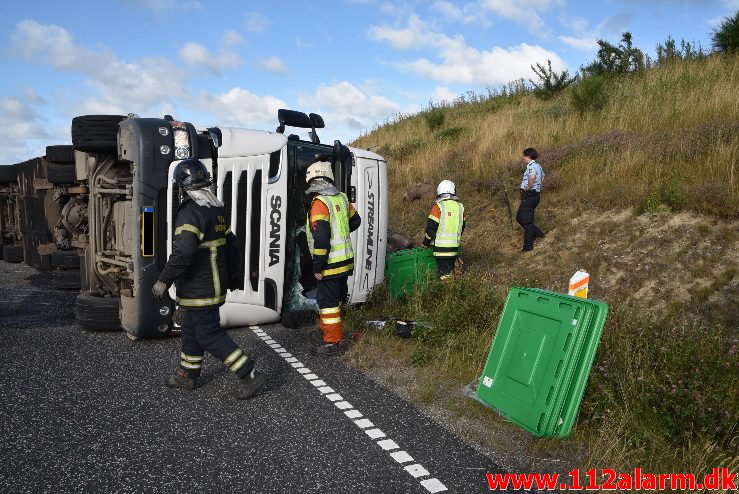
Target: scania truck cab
x,y
125,165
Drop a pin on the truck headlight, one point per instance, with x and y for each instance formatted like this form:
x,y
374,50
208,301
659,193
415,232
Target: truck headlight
x,y
181,140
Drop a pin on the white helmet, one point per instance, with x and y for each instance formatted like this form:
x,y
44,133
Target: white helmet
x,y
445,187
319,169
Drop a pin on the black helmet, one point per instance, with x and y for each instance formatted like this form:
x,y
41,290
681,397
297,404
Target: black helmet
x,y
191,174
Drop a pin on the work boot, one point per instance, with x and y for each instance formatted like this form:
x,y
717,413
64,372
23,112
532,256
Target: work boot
x,y
334,349
181,380
249,385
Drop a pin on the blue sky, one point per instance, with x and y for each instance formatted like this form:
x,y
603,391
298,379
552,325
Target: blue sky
x,y
356,62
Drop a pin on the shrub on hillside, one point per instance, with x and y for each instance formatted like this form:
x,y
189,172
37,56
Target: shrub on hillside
x,y
550,82
623,58
590,94
434,119
451,134
726,36
670,52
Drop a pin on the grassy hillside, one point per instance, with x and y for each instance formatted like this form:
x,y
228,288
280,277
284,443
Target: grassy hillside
x,y
642,193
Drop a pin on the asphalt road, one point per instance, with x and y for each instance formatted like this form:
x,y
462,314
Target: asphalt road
x,y
88,412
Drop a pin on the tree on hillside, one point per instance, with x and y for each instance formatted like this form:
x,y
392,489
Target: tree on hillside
x,y
670,52
612,59
726,36
550,82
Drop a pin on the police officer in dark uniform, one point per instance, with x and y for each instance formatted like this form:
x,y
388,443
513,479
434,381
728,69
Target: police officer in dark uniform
x,y
204,253
531,183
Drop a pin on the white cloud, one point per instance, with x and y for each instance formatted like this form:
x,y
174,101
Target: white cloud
x,y
460,63
443,94
197,55
24,130
256,22
526,12
239,107
467,14
345,103
231,38
139,85
585,44
272,64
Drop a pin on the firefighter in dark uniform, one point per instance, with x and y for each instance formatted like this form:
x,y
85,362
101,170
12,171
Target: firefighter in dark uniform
x,y
444,228
204,253
331,218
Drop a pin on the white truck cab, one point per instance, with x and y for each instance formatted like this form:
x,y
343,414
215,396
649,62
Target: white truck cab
x,y
260,177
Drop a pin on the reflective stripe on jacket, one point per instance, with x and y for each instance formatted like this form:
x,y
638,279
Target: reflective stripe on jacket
x,y
445,230
333,255
203,249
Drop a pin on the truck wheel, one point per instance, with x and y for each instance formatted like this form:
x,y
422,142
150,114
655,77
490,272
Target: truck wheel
x,y
60,154
65,259
13,253
96,313
8,174
65,279
298,318
61,174
95,133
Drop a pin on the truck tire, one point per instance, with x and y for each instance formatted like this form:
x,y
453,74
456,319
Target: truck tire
x,y
65,279
61,174
8,174
60,154
95,313
95,133
65,259
13,253
298,318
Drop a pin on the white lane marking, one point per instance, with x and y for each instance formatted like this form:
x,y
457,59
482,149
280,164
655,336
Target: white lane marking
x,y
343,405
417,470
375,433
433,485
388,444
364,423
401,457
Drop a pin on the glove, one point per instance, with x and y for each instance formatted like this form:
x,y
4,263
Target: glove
x,y
158,290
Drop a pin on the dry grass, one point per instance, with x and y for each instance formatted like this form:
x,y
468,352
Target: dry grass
x,y
643,195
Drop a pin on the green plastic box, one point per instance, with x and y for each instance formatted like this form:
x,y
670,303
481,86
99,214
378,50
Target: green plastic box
x,y
540,359
404,269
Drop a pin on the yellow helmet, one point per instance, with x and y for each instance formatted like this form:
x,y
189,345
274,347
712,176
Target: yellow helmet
x,y
319,169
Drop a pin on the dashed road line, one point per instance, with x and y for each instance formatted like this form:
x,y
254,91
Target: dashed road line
x,y
416,470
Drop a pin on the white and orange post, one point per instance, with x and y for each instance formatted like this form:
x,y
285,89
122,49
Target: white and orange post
x,y
579,284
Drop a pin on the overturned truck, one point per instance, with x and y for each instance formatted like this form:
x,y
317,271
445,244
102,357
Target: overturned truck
x,y
125,203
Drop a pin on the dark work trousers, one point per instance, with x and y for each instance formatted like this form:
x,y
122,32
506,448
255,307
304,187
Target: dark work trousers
x,y
202,331
525,218
445,265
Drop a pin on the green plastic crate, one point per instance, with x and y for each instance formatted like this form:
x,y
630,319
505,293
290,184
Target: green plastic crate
x,y
540,359
404,269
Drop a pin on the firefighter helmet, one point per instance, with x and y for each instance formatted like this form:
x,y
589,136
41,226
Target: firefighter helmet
x,y
319,169
191,174
446,187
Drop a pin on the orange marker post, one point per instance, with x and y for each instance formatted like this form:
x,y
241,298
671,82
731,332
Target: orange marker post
x,y
579,284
